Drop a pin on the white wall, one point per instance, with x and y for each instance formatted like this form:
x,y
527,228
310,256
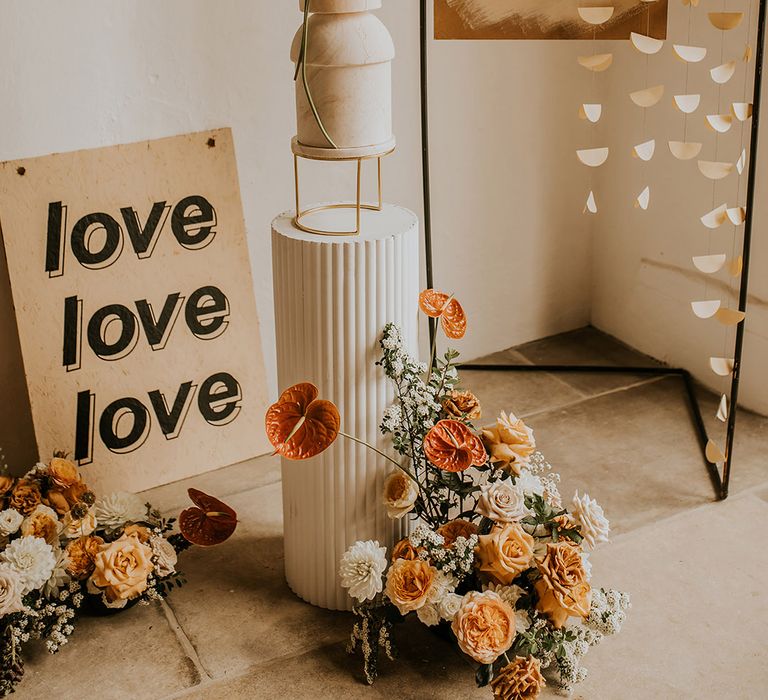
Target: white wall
x,y
644,279
90,73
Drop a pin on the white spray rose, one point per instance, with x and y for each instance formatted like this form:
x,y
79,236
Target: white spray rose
x,y
593,524
502,502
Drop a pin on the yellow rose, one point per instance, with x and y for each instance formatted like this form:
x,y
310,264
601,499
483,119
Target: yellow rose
x,y
43,523
505,552
519,680
563,588
455,529
462,405
62,472
122,567
81,555
409,583
484,626
404,550
510,442
25,496
400,494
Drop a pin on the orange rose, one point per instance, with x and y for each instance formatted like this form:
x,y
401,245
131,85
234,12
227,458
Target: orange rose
x,y
404,550
6,484
462,404
62,472
62,499
505,553
82,556
122,567
519,680
563,589
25,496
484,626
455,529
409,583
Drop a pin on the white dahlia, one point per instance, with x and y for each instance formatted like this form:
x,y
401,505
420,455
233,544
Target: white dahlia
x,y
593,524
362,568
119,508
32,559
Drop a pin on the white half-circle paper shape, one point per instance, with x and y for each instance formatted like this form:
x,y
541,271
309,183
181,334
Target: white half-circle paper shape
x,y
742,161
736,215
643,199
597,62
716,217
645,150
730,317
646,44
591,205
685,150
725,20
595,15
591,112
742,110
722,366
714,453
687,103
692,3
722,409
723,73
690,54
735,266
705,309
647,97
709,264
593,157
715,170
720,122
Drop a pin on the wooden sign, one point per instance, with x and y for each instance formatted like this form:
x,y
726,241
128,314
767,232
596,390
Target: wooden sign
x,y
135,309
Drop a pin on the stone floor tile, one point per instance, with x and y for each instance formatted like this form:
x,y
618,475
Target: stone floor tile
x,y
587,346
503,357
237,610
133,654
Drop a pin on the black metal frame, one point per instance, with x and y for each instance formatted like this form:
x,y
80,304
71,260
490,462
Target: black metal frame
x,y
719,483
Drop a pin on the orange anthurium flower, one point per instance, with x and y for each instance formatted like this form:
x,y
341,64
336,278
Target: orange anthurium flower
x,y
443,306
451,446
211,522
300,425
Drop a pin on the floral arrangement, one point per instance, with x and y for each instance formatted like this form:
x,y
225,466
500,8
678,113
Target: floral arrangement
x,y
63,550
494,560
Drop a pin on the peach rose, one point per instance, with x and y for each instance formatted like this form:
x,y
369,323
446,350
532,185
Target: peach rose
x,y
484,626
409,584
505,553
140,531
455,529
82,556
462,405
510,442
563,589
400,494
122,567
42,522
62,472
25,496
404,550
519,680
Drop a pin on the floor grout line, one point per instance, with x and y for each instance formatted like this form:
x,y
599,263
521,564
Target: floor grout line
x,y
186,644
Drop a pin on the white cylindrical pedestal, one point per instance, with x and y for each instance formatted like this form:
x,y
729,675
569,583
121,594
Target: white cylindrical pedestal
x,y
333,296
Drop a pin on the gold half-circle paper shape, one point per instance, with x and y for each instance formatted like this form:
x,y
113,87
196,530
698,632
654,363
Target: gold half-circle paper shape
x,y
722,366
647,97
705,309
735,266
685,150
646,44
715,170
597,62
747,55
723,73
645,150
736,215
730,317
709,264
687,103
593,157
742,110
713,452
716,217
690,54
742,161
591,205
720,122
595,15
643,199
725,20
722,409
591,112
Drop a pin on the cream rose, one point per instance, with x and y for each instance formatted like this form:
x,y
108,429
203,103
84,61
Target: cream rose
x,y
122,568
505,553
593,525
11,588
400,494
409,584
484,626
78,527
165,556
563,588
10,522
510,442
502,502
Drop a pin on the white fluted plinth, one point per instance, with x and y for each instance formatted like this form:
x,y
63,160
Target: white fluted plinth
x,y
333,296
